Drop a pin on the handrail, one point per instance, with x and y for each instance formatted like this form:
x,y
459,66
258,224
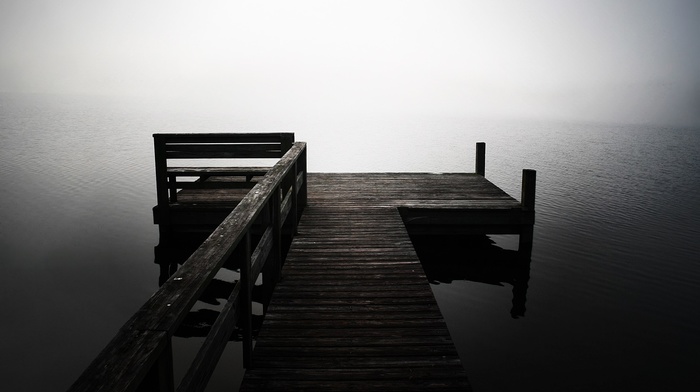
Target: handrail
x,y
139,357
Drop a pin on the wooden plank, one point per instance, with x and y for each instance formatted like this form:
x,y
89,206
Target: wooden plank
x,y
212,185
351,362
219,171
407,383
223,137
340,332
417,311
315,351
356,374
200,154
222,147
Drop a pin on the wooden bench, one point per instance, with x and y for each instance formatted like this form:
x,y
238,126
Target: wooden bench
x,y
183,189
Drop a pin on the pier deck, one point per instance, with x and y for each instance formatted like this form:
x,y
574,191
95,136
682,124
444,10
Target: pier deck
x,y
353,310
350,307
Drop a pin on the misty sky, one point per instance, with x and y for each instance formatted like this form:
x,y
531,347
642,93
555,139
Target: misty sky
x,y
630,61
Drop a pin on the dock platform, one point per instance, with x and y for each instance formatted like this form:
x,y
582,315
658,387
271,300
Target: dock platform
x,y
353,310
350,307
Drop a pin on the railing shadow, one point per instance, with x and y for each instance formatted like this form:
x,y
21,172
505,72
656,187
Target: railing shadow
x,y
474,258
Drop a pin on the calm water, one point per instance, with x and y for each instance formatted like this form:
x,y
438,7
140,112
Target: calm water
x,y
612,296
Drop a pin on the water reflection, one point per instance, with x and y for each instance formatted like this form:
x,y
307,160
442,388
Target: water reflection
x,y
173,251
474,258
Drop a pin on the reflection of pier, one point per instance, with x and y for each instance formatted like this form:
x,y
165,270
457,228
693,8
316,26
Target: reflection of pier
x,y
351,309
474,258
170,255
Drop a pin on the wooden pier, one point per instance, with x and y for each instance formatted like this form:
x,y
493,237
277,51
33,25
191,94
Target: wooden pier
x,y
351,308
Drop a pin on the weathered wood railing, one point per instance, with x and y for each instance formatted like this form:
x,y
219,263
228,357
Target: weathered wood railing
x,y
139,357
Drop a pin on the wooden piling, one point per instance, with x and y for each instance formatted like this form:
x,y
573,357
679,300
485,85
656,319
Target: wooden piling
x,y
527,200
481,158
528,189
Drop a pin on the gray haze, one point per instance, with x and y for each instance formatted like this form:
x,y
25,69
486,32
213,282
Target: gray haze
x,y
623,61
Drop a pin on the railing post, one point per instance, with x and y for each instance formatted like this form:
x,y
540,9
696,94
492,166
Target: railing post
x,y
276,251
246,301
295,200
301,165
272,266
160,378
161,186
161,170
527,200
286,142
481,158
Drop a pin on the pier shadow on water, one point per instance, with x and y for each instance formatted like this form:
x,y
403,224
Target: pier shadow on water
x,y
474,258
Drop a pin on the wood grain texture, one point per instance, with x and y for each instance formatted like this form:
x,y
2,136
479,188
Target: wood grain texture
x,y
353,310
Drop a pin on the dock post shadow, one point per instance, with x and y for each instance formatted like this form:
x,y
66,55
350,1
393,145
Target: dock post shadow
x,y
474,258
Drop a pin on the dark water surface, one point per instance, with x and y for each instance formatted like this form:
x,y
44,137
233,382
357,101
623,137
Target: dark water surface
x,y
609,301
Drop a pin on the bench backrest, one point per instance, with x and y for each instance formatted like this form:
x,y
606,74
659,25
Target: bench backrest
x,y
213,146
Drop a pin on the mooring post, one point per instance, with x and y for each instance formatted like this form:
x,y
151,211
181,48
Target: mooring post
x,y
527,200
528,191
480,158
